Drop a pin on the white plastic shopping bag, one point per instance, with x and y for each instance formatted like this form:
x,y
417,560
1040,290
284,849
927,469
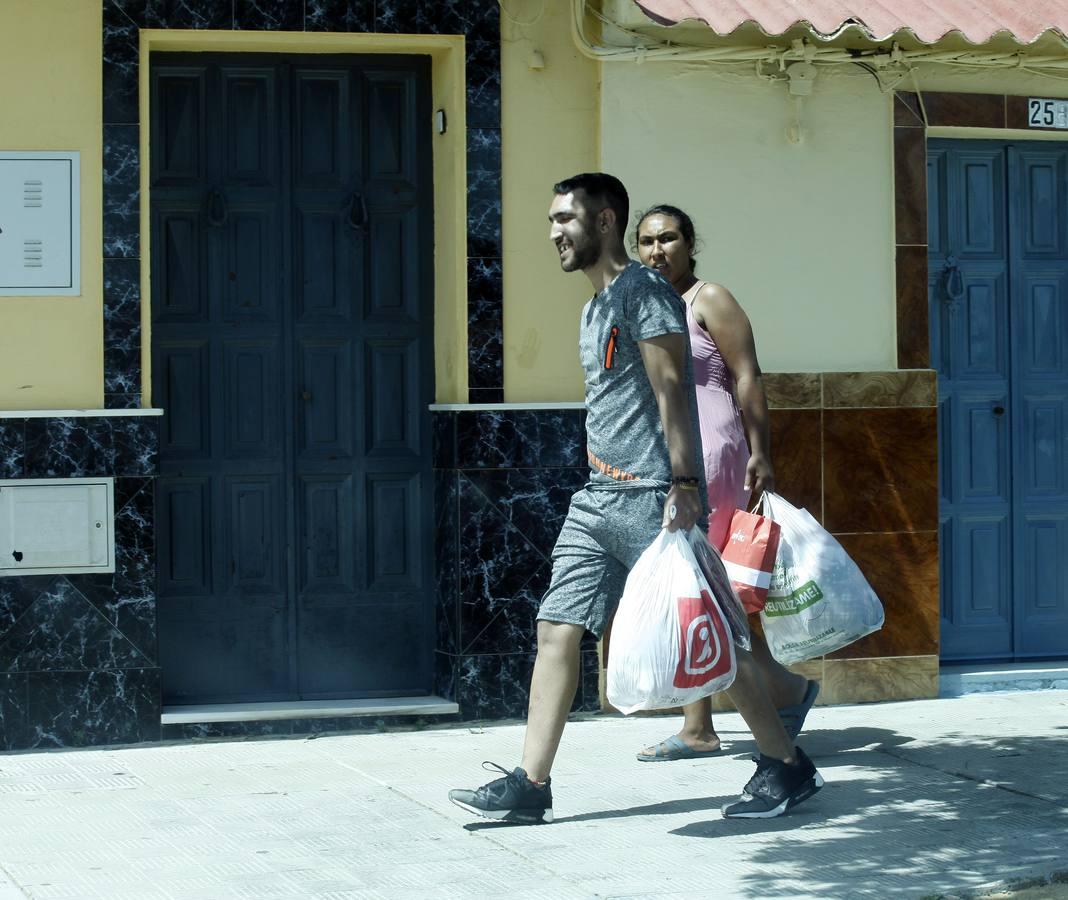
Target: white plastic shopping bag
x,y
818,600
671,643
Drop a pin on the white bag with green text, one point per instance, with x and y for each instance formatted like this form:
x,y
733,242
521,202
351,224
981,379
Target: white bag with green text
x,y
818,600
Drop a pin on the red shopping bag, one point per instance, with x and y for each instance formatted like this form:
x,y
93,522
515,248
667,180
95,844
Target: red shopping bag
x,y
749,557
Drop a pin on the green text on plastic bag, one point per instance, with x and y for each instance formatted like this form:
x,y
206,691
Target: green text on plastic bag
x,y
805,596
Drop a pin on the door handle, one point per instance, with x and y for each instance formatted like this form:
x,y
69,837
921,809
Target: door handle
x,y
952,280
217,208
305,396
357,217
998,410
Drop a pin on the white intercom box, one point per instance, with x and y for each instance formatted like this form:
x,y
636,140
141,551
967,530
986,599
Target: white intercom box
x,y
40,224
57,525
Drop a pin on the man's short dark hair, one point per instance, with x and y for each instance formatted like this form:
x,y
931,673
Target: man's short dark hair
x,y
603,190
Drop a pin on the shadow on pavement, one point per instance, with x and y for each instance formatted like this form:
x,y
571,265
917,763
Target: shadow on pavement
x,y
819,744
913,817
669,807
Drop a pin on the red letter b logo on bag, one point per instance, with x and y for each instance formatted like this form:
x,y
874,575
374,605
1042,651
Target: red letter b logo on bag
x,y
703,650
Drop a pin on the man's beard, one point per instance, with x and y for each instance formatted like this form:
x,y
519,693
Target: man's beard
x,y
583,256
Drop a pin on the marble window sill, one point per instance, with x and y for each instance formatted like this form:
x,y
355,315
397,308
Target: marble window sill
x,y
76,413
503,407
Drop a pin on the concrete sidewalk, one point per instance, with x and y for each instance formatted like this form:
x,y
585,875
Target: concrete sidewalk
x,y
922,798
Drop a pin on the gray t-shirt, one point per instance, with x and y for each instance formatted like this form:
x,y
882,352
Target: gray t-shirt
x,y
624,436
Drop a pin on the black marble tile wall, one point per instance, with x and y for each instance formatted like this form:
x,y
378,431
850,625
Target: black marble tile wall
x,y
79,447
478,20
78,660
122,326
12,447
14,725
122,191
74,709
521,439
339,15
483,65
189,14
122,20
268,15
485,327
68,676
484,193
504,480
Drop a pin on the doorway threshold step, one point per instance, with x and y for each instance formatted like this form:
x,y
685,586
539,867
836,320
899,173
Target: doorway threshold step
x,y
954,681
307,709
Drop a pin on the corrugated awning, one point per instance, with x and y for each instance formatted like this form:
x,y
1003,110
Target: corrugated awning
x,y
929,20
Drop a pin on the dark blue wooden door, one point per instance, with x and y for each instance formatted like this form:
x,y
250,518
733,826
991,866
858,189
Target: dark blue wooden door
x,y
999,339
291,306
1038,231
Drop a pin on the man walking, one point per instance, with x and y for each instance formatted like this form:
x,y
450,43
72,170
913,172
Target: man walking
x,y
642,439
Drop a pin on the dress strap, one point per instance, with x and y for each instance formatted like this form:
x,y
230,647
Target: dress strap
x,y
693,291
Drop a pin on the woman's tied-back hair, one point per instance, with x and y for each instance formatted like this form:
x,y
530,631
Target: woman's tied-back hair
x,y
685,226
603,190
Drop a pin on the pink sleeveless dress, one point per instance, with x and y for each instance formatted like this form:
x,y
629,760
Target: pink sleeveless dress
x,y
722,435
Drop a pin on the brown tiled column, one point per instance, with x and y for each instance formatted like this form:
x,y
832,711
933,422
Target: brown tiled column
x,y
858,450
910,231
880,493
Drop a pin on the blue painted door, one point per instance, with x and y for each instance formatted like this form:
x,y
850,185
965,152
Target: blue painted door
x,y
292,332
998,289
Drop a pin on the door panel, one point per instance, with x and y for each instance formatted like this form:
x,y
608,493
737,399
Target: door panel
x,y
324,154
184,537
250,276
1038,183
999,276
340,635
249,107
978,176
985,450
326,378
327,528
393,533
325,260
183,372
252,382
255,534
295,461
969,299
178,126
177,260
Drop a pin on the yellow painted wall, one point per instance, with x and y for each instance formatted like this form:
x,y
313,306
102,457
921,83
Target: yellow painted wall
x,y
982,81
549,122
802,233
51,348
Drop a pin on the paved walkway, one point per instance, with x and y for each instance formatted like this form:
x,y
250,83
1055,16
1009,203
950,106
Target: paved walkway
x,y
922,798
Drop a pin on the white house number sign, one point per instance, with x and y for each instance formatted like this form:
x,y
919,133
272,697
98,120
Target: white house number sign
x,y
1047,113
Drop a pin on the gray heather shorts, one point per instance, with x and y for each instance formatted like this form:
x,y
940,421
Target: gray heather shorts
x,y
604,534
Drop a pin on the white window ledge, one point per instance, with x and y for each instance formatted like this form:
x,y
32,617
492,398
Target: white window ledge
x,y
76,413
502,407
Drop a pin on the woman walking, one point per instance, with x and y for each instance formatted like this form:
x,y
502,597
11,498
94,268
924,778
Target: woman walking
x,y
734,436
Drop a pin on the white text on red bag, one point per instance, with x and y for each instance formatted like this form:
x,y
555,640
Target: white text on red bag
x,y
749,557
703,638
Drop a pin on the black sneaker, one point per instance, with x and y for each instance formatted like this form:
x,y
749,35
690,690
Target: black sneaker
x,y
775,788
514,798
